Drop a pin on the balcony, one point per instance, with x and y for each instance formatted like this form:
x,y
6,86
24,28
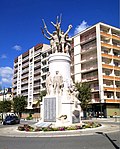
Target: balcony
x,y
36,91
106,55
37,58
37,65
14,80
110,46
90,68
25,59
24,82
90,79
111,78
116,37
88,48
88,58
24,94
38,52
37,78
25,76
104,34
107,66
112,101
37,84
25,65
24,88
111,89
96,88
15,64
37,71
88,38
25,70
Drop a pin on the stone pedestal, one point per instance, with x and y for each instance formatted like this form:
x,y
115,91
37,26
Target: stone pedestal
x,y
58,108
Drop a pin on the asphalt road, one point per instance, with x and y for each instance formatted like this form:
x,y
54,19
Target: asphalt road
x,y
98,141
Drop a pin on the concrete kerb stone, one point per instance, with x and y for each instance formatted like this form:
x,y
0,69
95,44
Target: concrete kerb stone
x,y
13,132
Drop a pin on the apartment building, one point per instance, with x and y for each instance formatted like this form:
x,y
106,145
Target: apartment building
x,y
97,61
29,75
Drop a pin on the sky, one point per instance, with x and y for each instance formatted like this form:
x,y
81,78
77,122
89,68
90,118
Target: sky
x,y
21,22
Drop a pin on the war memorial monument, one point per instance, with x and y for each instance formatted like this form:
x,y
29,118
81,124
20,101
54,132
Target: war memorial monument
x,y
60,105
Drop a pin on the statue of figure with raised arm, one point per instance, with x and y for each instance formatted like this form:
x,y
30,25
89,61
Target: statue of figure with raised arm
x,y
52,43
57,25
62,38
48,83
54,36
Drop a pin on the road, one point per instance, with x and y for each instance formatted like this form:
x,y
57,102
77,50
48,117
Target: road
x,y
97,141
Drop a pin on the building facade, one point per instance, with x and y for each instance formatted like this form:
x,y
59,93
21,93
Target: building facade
x,y
28,74
95,58
97,61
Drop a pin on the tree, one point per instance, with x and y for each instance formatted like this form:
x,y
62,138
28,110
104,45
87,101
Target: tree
x,y
42,94
5,106
84,95
19,104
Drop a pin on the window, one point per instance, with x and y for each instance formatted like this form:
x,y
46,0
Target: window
x,y
96,95
116,63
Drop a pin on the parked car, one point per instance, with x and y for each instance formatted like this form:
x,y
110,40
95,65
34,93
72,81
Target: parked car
x,y
11,119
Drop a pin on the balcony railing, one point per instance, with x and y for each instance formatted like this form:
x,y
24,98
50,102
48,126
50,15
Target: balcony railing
x,y
90,78
90,57
88,48
89,68
88,38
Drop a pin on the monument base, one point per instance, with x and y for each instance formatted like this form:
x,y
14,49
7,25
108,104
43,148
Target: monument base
x,y
59,106
59,111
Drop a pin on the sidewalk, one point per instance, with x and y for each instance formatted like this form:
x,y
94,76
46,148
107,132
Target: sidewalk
x,y
105,128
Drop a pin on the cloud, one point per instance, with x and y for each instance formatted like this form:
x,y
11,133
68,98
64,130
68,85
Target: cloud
x,y
3,56
17,48
81,27
6,75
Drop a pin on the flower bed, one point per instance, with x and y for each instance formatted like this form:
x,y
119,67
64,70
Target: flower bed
x,y
29,128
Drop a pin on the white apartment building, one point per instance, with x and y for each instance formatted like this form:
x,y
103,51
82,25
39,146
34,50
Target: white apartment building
x,y
28,75
97,61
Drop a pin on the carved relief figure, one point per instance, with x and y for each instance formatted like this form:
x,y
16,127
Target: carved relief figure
x,y
48,83
57,83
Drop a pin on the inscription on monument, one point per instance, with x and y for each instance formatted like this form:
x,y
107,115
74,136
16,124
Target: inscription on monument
x,y
50,109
